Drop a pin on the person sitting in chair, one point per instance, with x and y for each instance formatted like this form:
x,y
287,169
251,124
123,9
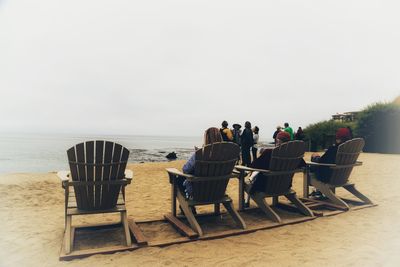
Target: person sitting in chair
x,y
322,172
342,135
211,135
262,162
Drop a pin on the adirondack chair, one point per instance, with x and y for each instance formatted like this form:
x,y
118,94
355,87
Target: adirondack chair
x,y
95,184
213,168
346,159
284,164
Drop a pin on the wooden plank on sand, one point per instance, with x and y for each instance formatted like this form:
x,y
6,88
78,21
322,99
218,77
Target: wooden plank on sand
x,y
181,227
138,235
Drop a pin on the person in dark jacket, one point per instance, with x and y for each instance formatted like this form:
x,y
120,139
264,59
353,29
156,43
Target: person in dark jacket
x,y
322,172
247,142
236,132
278,130
299,134
262,162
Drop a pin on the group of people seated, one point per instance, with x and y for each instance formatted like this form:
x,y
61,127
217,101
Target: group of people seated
x,y
213,135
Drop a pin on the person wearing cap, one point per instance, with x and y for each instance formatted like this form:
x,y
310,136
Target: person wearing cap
x,y
256,179
226,132
236,132
321,172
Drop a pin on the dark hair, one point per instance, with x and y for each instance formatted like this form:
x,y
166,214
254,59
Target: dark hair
x,y
212,135
256,129
224,124
247,124
286,124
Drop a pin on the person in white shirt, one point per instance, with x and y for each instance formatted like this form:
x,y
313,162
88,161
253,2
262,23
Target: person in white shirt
x,y
254,148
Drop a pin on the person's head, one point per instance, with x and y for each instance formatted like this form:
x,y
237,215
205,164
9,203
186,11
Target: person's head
x,y
278,128
299,129
342,135
236,126
212,135
256,129
247,124
282,137
224,124
286,124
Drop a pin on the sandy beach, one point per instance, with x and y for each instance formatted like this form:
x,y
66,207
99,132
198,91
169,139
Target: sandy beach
x,y
32,225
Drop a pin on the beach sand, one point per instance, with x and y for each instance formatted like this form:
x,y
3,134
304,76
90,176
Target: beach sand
x,y
32,225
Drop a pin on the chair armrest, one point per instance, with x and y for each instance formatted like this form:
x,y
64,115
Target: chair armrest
x,y
128,174
176,172
63,175
310,163
244,168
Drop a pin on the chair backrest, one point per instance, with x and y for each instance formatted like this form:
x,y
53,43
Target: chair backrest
x,y
212,163
97,161
347,154
285,158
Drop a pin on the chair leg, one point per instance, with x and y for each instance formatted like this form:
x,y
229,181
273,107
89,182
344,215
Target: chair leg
x,y
124,220
68,234
235,215
300,205
324,188
351,188
188,213
263,205
217,210
275,201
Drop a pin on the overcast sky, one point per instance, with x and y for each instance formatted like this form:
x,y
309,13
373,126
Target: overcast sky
x,y
177,67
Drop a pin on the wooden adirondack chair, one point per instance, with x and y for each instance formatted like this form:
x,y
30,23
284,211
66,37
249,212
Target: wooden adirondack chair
x,y
95,184
284,164
213,169
346,159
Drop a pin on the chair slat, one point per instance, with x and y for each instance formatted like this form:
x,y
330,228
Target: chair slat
x,y
80,157
90,172
98,172
114,189
71,153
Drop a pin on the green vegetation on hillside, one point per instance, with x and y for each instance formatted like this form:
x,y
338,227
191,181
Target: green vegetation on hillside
x,y
322,134
378,124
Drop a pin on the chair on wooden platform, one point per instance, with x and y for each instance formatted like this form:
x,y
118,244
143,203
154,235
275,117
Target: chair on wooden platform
x,y
277,180
339,173
214,164
96,184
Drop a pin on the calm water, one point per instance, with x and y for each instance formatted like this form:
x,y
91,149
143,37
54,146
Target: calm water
x,y
45,153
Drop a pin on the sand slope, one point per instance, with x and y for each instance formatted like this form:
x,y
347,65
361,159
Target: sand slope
x,y
32,224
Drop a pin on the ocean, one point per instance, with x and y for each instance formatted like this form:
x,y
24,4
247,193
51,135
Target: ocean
x,y
22,153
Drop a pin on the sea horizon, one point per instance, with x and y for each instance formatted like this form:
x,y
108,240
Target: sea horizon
x,y
37,152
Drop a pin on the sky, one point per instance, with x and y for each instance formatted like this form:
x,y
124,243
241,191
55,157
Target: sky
x,y
160,67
